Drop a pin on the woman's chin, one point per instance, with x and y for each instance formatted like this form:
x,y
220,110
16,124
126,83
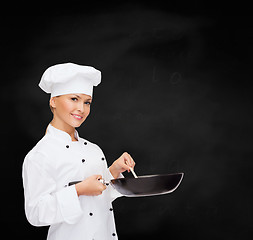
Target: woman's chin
x,y
76,124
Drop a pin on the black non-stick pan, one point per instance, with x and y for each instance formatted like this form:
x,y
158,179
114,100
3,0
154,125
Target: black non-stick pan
x,y
148,185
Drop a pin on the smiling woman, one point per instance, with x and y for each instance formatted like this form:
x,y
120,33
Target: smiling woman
x,y
70,111
61,157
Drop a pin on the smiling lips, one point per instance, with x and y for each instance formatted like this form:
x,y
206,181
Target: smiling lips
x,y
77,117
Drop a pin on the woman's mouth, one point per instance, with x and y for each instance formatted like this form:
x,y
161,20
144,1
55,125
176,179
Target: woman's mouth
x,y
76,116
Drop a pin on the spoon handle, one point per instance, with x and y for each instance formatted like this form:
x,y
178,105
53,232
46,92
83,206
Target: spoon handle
x,y
132,171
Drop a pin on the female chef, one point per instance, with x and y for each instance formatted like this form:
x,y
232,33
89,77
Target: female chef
x,y
84,210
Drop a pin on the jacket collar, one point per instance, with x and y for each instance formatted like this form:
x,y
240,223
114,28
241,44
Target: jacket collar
x,y
59,134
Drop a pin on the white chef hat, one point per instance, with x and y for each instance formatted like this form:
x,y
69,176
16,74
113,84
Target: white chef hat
x,y
69,78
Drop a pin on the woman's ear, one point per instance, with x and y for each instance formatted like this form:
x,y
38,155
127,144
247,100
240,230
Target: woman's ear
x,y
52,102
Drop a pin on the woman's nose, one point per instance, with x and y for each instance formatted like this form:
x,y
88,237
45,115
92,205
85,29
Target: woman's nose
x,y
81,108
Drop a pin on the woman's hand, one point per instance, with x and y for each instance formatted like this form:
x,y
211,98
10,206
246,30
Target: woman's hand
x,y
91,186
122,164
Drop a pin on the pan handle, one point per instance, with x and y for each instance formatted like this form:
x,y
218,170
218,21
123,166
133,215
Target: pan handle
x,y
75,182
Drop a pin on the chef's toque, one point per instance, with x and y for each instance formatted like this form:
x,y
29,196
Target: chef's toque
x,y
69,78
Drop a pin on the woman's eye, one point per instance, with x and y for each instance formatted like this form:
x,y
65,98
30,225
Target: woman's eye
x,y
88,103
74,99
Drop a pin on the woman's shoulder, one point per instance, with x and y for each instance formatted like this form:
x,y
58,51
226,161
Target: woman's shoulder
x,y
42,147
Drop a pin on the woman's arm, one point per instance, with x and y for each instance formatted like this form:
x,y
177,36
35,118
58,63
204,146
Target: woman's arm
x,y
44,205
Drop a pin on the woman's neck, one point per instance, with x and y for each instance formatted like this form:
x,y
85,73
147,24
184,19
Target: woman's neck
x,y
64,127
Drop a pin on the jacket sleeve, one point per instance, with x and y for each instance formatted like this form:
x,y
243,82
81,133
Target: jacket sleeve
x,y
113,192
44,205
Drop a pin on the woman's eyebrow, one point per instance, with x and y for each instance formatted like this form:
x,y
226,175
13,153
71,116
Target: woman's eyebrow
x,y
88,99
77,96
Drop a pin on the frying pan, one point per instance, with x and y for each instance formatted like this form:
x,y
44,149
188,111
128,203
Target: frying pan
x,y
148,185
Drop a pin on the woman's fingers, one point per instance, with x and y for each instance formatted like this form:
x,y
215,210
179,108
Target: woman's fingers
x,y
98,177
124,163
128,161
132,161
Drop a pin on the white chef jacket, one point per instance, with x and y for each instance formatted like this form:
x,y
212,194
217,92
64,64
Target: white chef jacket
x,y
55,161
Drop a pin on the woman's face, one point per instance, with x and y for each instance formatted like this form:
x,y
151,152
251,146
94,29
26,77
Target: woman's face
x,y
71,109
